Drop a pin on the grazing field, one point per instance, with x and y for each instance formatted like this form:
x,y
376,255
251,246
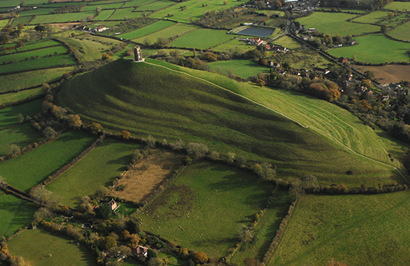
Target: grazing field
x,y
287,42
12,3
99,168
14,214
4,22
102,5
67,17
401,32
31,168
336,23
395,21
227,123
162,24
265,230
14,97
136,3
202,39
36,45
149,173
104,14
398,6
38,11
156,5
242,68
8,116
372,18
120,14
32,54
18,20
375,49
342,10
37,245
175,30
53,61
303,58
228,45
356,230
33,78
388,73
21,135
205,207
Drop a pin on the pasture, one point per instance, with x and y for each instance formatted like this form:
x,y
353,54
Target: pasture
x,y
401,32
104,14
398,6
21,135
242,68
162,24
372,18
155,5
24,20
37,245
205,207
228,45
136,3
36,45
99,168
287,42
4,22
35,12
356,230
121,14
102,5
14,97
388,73
175,30
10,3
14,214
336,23
202,39
33,54
8,116
375,48
47,62
32,168
66,17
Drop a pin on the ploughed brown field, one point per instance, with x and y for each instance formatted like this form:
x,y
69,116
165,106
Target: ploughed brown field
x,y
148,174
388,73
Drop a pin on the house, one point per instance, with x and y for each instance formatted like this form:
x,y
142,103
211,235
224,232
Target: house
x,y
140,252
81,28
280,49
113,205
101,29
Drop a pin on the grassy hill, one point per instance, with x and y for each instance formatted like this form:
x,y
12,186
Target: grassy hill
x,y
126,95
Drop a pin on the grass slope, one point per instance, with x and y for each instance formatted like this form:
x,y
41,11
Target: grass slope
x,y
242,68
8,116
398,6
147,30
210,202
21,135
53,61
401,32
356,230
202,39
373,17
66,17
40,53
14,97
32,168
14,214
98,168
36,245
177,29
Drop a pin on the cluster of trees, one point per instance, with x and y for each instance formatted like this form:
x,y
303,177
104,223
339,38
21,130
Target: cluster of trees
x,y
10,32
277,4
363,189
352,4
134,23
326,40
67,9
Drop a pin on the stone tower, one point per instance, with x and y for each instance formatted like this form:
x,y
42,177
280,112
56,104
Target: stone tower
x,y
138,54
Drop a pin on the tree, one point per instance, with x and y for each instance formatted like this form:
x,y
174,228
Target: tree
x,y
245,233
106,57
90,17
49,133
103,211
226,2
42,214
20,26
108,243
197,150
98,10
368,74
200,257
20,118
147,42
14,150
22,3
96,128
40,28
19,44
384,28
74,121
4,39
151,141
390,15
136,156
125,134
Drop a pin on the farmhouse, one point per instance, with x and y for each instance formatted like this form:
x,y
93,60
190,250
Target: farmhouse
x,y
140,252
100,29
113,205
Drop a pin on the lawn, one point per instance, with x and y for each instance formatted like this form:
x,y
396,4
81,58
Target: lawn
x,y
67,17
175,30
287,42
202,39
162,24
99,168
32,78
242,68
398,6
21,135
53,61
14,97
375,48
33,167
37,245
336,23
120,14
401,32
104,14
8,116
205,207
28,55
14,214
372,18
356,230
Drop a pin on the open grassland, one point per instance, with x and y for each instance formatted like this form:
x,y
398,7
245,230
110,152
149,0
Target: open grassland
x,y
401,32
177,106
102,5
14,97
136,3
194,9
18,20
227,45
175,30
398,6
66,17
156,5
121,14
265,230
33,54
37,45
388,73
209,202
104,14
21,135
99,168
336,23
375,48
36,245
287,42
53,61
8,116
356,230
38,11
372,18
202,39
14,214
33,78
147,30
33,167
242,68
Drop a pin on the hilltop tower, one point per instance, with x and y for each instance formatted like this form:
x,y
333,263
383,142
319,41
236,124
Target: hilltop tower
x,y
138,54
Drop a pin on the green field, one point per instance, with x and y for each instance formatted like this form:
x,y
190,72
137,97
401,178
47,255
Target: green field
x,y
27,55
217,199
395,21
12,3
147,30
21,135
98,168
53,61
287,42
35,166
228,123
401,32
135,3
36,45
8,116
66,17
177,29
18,20
38,11
33,78
14,97
336,23
120,14
372,18
3,22
102,5
375,48
356,230
398,6
37,245
156,5
202,39
104,14
242,68
228,46
14,214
